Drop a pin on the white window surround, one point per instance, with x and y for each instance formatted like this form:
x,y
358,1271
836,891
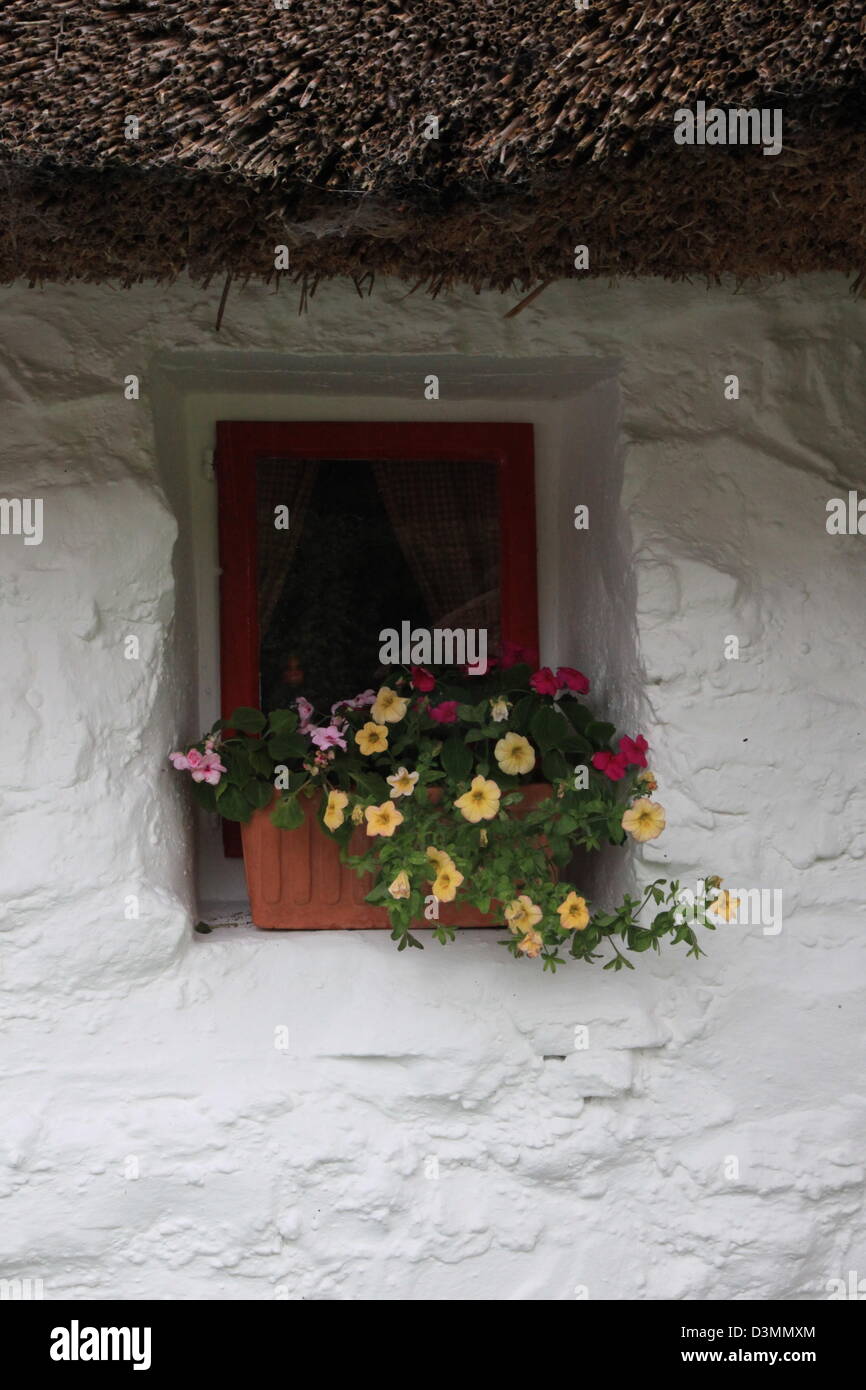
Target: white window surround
x,y
586,600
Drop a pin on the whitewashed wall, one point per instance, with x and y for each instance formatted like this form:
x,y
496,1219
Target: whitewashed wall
x,y
155,1142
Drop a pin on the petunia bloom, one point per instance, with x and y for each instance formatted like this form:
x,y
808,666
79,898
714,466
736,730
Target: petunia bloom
x,y
422,679
634,750
438,858
514,754
205,767
499,709
401,887
357,702
572,680
402,783
725,905
329,736
613,765
334,811
389,707
372,738
522,914
644,820
531,944
446,883
383,820
573,913
481,802
544,682
446,713
305,712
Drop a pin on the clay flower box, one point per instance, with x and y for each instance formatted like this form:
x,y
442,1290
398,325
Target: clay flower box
x,y
297,881
442,800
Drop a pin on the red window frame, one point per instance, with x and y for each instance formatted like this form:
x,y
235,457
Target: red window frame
x,y
241,443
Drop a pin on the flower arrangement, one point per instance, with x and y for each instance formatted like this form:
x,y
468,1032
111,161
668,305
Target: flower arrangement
x,y
435,766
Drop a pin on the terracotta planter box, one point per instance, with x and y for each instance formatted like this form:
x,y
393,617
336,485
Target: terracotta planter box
x,y
296,881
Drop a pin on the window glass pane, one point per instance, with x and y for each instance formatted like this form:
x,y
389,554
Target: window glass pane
x,y
369,546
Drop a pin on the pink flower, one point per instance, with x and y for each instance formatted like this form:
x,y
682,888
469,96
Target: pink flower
x,y
544,682
515,655
446,713
205,767
367,697
611,764
328,737
572,680
305,710
633,750
422,679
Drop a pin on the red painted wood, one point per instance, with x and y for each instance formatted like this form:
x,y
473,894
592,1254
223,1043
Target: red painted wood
x,y
240,443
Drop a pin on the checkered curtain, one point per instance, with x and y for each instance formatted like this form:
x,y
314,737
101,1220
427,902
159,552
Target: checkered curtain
x,y
279,482
446,518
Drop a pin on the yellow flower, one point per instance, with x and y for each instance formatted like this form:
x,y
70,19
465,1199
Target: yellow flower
x,y
438,858
389,706
530,944
645,820
383,820
522,914
499,710
402,783
357,814
515,754
481,802
573,913
446,883
373,738
647,779
482,836
726,905
337,803
400,888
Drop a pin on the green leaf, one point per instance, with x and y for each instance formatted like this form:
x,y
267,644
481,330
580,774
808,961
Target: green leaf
x,y
548,728
232,804
262,762
283,721
456,758
287,814
247,720
258,794
554,766
519,715
284,746
600,733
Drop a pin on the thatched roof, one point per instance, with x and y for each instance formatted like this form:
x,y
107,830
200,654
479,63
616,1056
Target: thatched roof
x,y
304,126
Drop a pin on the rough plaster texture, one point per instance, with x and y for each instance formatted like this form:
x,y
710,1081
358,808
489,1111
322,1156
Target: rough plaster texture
x,y
156,1142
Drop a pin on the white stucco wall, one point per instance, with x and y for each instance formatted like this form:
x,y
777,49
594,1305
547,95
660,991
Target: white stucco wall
x,y
155,1141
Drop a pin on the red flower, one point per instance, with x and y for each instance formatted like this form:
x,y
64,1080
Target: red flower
x,y
446,713
421,678
544,682
515,655
613,765
633,750
572,680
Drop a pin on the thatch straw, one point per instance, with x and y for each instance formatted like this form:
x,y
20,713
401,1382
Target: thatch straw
x,y
305,126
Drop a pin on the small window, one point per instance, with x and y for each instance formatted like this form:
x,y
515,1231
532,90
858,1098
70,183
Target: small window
x,y
332,533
